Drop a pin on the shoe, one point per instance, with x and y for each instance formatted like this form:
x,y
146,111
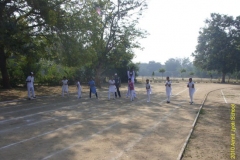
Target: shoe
x,y
29,98
191,102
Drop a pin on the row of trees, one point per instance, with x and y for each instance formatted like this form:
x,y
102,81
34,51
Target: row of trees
x,y
218,46
172,67
95,36
217,51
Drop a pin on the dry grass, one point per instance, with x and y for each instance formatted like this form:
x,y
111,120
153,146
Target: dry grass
x,y
21,92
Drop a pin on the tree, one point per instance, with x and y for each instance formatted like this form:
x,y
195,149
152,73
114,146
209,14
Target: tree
x,y
218,45
153,74
191,73
153,66
182,71
172,65
162,70
113,32
22,23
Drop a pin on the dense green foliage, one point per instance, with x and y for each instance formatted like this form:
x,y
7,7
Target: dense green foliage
x,y
218,45
77,38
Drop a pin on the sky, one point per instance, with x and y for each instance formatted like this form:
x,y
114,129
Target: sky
x,y
174,26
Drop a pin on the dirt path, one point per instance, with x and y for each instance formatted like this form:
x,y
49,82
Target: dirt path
x,y
212,139
75,129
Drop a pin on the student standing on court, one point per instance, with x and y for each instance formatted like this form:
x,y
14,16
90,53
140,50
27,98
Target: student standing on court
x,y
92,86
131,75
149,90
64,86
131,89
168,89
79,89
112,88
117,84
191,87
30,85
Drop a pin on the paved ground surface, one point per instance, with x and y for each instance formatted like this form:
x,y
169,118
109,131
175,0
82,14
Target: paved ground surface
x,y
67,128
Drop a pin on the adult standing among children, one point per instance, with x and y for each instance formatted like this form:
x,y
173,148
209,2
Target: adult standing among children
x,y
168,89
112,88
191,87
64,86
117,84
30,85
93,89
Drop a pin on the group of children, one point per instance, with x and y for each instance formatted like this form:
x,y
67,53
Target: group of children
x,y
114,84
168,86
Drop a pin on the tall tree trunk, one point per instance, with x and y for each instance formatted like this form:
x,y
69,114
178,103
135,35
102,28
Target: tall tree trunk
x,y
3,67
98,79
223,77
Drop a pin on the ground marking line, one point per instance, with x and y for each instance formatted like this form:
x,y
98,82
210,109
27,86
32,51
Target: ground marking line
x,y
93,135
144,134
60,128
193,126
35,107
29,124
73,145
45,120
149,130
2,121
227,103
43,106
224,97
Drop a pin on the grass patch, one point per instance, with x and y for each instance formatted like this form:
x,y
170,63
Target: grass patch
x,y
202,111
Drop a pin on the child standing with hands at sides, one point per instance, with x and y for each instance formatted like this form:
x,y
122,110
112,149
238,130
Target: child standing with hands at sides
x,y
79,89
93,89
131,89
191,87
112,88
148,88
168,89
30,85
64,86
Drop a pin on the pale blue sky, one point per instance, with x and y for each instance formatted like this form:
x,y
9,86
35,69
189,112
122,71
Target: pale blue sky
x,y
174,25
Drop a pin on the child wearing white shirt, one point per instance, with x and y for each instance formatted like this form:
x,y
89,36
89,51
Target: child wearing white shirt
x,y
168,89
191,87
149,90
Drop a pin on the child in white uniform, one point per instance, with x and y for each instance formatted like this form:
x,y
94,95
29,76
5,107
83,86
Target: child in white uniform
x,y
191,87
168,89
112,88
149,90
79,89
64,86
30,85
